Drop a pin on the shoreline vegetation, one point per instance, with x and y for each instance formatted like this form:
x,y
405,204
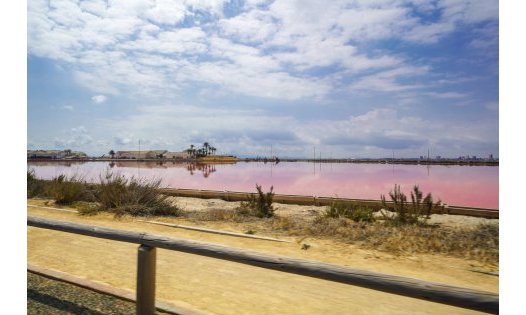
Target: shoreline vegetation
x,y
405,226
232,160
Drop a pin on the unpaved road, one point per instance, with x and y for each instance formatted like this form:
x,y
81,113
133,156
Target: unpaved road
x,y
222,287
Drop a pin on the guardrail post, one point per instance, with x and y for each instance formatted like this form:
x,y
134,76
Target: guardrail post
x,y
145,303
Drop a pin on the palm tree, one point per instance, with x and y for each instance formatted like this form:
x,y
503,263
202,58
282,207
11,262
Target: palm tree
x,y
206,147
191,151
213,150
112,153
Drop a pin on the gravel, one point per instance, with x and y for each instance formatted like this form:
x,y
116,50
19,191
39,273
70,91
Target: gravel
x,y
45,296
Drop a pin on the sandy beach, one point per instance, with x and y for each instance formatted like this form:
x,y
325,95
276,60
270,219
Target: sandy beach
x,y
221,287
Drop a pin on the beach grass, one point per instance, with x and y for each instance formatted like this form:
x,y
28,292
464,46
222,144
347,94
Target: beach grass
x,y
404,232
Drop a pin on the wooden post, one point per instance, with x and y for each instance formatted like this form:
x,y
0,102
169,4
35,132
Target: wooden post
x,y
429,291
145,303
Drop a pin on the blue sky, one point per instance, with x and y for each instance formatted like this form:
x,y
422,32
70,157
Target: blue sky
x,y
352,78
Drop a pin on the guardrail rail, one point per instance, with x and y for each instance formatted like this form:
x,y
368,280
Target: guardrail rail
x,y
146,273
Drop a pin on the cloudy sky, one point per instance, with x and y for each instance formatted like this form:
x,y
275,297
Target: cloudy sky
x,y
356,78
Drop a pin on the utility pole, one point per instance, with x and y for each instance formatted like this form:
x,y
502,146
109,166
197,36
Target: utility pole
x,y
314,154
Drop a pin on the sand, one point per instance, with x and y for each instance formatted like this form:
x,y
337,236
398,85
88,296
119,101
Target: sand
x,y
197,204
222,287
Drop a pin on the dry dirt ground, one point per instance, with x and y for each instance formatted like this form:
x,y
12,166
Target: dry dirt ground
x,y
221,287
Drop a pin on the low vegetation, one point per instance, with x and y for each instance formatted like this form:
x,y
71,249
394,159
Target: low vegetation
x,y
35,186
259,205
479,243
226,215
114,193
138,197
66,190
415,212
355,212
400,228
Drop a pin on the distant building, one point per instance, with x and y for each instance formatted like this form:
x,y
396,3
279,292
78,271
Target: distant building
x,y
151,154
491,157
146,154
176,155
55,154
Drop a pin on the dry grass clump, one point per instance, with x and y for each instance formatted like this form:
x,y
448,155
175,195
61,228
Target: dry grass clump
x,y
137,197
114,193
227,215
259,205
355,212
86,208
480,242
66,190
35,186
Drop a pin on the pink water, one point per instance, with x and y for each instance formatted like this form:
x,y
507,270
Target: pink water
x,y
476,186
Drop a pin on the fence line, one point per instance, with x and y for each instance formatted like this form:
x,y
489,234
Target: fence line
x,y
435,292
106,289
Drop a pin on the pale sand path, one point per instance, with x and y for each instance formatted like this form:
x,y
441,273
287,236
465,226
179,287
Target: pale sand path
x,y
222,287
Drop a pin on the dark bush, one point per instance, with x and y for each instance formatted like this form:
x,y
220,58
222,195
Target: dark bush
x,y
35,186
66,190
137,197
355,212
259,205
416,212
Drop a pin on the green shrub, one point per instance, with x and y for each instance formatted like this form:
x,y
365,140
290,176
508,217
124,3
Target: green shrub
x,y
66,190
362,215
416,212
138,197
336,210
259,205
86,208
35,186
355,212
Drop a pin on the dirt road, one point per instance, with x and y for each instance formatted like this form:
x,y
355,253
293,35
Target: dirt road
x,y
221,287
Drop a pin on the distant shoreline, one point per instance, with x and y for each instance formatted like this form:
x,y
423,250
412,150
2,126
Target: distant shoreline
x,y
267,160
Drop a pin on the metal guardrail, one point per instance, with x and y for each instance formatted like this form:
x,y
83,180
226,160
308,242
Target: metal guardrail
x,y
145,301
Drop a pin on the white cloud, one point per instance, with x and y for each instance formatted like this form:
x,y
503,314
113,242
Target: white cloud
x,y
68,107
167,12
249,27
387,80
74,138
447,95
373,133
98,99
105,42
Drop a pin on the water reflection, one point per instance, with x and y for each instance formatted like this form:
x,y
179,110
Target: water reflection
x,y
457,185
57,163
205,169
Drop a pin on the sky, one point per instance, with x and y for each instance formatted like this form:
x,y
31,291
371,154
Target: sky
x,y
363,78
